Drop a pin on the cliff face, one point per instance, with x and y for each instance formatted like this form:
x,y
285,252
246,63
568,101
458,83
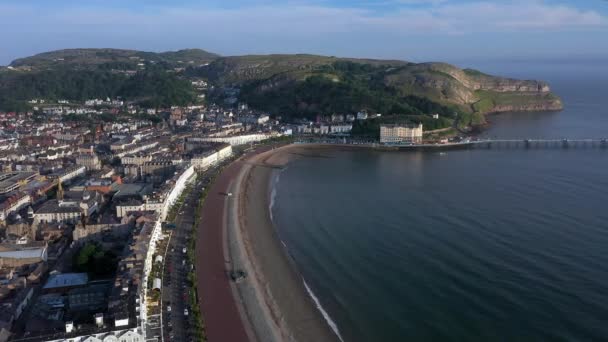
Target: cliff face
x,y
470,88
547,105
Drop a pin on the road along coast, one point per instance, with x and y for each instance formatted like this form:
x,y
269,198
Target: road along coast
x,y
271,303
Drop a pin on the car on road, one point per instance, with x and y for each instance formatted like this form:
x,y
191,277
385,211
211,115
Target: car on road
x,y
185,312
169,308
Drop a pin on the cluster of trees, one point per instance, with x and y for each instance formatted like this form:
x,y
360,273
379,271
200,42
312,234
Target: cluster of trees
x,y
94,260
343,87
157,87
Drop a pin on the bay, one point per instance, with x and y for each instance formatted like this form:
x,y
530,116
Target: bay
x,y
501,244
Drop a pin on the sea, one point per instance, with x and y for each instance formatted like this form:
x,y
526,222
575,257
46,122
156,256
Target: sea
x,y
507,244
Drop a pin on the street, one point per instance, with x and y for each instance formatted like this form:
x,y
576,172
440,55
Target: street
x,y
175,295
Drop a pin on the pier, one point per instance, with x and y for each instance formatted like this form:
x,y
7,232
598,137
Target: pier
x,y
473,143
539,143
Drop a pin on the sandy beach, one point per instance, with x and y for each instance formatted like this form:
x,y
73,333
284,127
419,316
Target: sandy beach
x,y
272,300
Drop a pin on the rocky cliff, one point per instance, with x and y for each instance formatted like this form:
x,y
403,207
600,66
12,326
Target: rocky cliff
x,y
443,83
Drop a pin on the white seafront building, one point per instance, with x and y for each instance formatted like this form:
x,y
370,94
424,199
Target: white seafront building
x,y
236,140
208,158
401,133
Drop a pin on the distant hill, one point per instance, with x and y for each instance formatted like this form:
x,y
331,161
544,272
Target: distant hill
x,y
297,85
239,69
308,84
112,58
80,74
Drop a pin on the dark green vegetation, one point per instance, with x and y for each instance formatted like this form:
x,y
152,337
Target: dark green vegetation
x,y
80,74
306,85
287,85
155,86
92,259
342,87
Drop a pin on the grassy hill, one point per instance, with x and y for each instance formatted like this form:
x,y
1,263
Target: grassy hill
x,y
111,59
305,85
299,85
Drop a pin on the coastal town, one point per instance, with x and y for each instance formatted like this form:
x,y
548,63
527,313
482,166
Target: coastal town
x,y
303,171
90,196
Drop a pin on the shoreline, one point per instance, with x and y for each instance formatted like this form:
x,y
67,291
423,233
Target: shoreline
x,y
274,299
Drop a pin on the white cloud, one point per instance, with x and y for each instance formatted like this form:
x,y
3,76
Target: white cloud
x,y
421,2
282,27
443,16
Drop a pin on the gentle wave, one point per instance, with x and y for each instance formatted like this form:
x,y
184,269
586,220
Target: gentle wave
x,y
273,193
328,319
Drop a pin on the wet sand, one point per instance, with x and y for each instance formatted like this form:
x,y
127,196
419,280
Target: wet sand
x,y
273,299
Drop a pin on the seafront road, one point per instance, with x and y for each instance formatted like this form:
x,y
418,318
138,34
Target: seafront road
x,y
219,309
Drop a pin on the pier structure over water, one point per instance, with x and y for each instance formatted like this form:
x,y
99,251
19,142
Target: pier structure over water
x,y
539,143
473,143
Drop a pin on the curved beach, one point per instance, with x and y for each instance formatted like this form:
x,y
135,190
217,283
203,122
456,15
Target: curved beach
x,y
272,301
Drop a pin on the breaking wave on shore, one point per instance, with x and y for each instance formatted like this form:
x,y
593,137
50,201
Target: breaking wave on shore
x,y
332,324
274,180
276,175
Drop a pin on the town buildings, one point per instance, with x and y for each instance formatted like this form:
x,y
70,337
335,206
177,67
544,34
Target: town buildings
x,y
67,185
89,161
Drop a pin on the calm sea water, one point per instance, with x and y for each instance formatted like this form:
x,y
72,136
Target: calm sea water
x,y
469,245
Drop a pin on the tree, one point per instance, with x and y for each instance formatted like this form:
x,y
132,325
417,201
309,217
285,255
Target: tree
x,y
94,260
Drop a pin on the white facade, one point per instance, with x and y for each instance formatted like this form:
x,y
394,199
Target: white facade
x,y
136,148
187,176
14,206
136,159
89,161
206,160
124,209
59,216
394,134
346,128
72,173
362,116
239,139
131,335
262,119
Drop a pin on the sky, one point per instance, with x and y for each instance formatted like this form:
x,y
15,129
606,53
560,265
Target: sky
x,y
413,30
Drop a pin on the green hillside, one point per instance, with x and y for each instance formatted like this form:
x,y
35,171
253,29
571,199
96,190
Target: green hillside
x,y
306,85
299,85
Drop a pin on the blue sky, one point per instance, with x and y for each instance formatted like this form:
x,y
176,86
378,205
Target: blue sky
x,y
416,30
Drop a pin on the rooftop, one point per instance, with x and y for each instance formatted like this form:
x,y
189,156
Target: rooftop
x,y
24,254
66,279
